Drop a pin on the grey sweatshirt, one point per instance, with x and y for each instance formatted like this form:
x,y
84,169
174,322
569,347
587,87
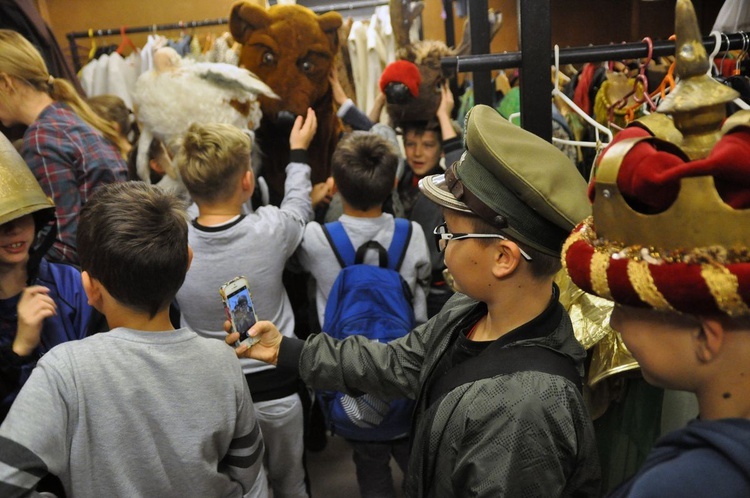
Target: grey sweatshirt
x,y
257,247
132,413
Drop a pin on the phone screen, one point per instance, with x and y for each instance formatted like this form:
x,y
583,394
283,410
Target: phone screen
x,y
241,309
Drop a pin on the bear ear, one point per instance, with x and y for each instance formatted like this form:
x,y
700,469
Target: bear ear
x,y
245,18
330,22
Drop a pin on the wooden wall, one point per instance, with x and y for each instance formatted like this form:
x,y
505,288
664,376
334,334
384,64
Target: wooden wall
x,y
574,22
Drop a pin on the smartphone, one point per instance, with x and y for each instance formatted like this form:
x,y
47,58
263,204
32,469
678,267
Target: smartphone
x,y
238,305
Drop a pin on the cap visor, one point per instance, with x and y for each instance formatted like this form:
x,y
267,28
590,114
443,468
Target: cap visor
x,y
436,190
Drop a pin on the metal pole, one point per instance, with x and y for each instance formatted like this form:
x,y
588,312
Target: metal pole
x,y
480,44
575,55
535,40
450,29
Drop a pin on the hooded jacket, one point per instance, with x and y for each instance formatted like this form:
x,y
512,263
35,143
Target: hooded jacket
x,y
706,458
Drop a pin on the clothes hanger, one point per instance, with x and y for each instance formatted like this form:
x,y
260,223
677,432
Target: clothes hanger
x,y
92,51
598,143
126,42
644,100
718,36
667,85
737,73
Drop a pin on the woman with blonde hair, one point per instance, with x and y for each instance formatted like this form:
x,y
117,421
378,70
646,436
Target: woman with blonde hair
x,y
69,148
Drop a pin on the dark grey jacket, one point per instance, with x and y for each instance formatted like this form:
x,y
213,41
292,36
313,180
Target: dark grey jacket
x,y
520,434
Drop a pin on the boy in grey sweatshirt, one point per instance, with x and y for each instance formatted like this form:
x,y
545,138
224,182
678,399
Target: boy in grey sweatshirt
x,y
143,410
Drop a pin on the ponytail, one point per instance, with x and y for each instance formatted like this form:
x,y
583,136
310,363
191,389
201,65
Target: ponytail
x,y
20,60
61,90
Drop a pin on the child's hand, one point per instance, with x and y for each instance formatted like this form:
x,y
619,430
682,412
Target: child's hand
x,y
303,131
267,349
320,194
339,96
34,306
446,101
443,114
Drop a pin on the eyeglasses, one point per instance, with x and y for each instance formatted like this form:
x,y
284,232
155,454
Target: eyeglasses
x,y
442,236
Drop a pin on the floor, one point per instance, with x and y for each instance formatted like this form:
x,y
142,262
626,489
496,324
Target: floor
x,y
332,473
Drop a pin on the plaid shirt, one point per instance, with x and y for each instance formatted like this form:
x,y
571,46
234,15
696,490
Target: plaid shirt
x,y
70,159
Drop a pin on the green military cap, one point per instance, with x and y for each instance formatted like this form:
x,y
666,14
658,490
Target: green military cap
x,y
20,194
515,181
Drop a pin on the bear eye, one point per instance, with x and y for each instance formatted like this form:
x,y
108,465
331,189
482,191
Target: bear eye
x,y
307,66
268,58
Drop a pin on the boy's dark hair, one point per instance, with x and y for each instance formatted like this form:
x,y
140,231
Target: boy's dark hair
x,y
419,128
133,239
364,168
542,265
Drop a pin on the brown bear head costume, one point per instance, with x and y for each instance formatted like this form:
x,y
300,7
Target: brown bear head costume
x,y
292,50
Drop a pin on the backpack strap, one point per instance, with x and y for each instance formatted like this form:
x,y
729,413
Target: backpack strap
x,y
347,256
400,242
506,360
340,243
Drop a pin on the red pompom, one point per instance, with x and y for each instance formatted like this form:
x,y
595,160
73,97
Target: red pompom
x,y
402,72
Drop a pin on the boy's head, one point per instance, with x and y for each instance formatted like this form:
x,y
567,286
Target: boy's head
x,y
21,198
132,238
112,108
511,184
212,160
364,169
423,147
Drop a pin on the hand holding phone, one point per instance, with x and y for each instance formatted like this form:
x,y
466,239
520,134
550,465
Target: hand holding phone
x,y
240,310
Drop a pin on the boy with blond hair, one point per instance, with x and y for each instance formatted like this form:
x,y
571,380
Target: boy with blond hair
x,y
214,164
121,413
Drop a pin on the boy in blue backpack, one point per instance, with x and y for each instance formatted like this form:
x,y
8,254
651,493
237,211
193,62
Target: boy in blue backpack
x,y
364,172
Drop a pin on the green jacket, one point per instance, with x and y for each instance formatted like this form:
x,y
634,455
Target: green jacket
x,y
520,434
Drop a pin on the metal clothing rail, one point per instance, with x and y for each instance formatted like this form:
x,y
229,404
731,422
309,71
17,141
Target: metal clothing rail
x,y
592,53
319,9
535,112
137,29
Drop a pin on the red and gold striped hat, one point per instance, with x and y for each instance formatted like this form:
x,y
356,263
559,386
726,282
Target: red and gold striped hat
x,y
671,221
666,232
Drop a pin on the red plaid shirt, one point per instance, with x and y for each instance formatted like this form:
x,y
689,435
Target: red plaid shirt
x,y
70,159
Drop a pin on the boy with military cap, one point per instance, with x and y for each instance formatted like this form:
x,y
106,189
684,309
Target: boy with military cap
x,y
669,243
496,374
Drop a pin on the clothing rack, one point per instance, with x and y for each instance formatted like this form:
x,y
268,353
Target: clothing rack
x,y
137,29
362,4
534,61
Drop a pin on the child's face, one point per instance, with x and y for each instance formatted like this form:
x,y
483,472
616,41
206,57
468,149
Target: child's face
x,y
661,342
423,151
16,238
465,259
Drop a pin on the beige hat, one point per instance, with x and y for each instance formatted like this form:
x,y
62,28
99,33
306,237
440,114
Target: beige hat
x,y
20,194
515,181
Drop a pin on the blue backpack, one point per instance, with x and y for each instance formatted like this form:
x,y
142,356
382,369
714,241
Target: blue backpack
x,y
375,302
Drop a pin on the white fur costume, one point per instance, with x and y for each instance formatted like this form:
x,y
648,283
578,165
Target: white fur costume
x,y
178,93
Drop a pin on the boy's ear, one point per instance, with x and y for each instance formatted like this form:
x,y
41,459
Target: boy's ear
x,y
708,339
332,188
248,181
507,258
92,288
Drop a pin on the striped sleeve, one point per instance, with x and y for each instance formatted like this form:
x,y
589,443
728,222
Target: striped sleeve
x,y
244,458
20,469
